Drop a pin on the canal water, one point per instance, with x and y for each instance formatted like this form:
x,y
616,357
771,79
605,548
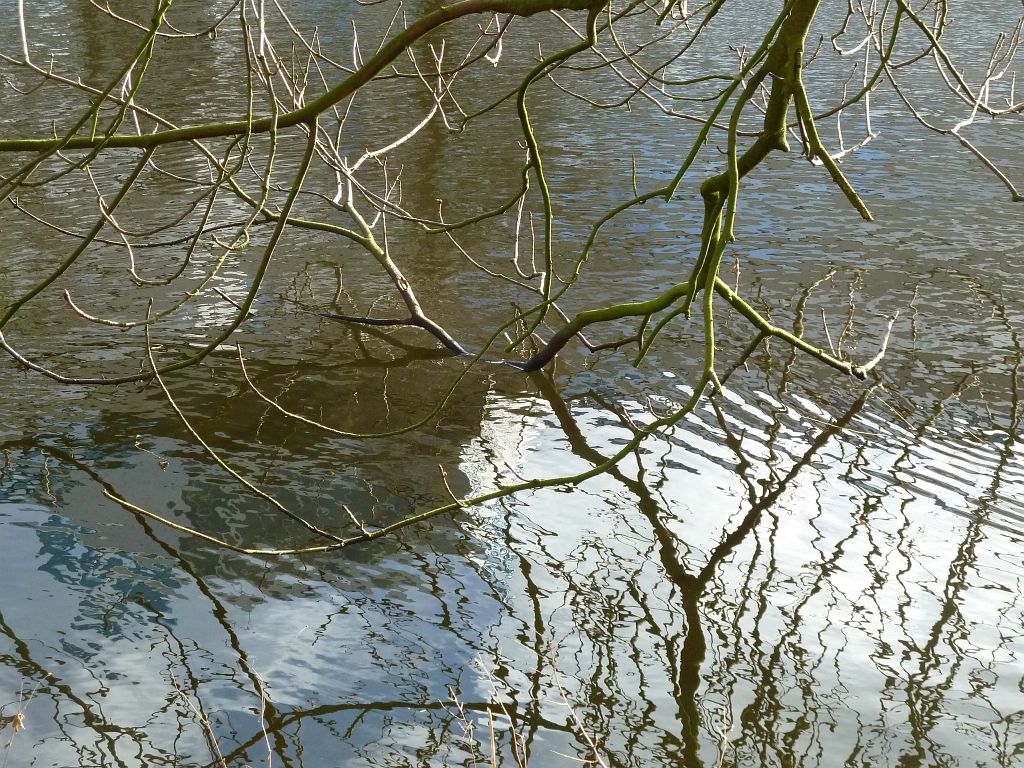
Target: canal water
x,y
809,570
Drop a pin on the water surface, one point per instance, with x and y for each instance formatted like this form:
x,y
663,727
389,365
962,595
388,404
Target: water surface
x,y
807,571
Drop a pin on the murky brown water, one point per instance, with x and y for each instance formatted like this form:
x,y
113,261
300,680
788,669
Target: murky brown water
x,y
808,571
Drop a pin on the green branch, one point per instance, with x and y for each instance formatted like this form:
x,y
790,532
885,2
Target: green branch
x,y
387,54
605,314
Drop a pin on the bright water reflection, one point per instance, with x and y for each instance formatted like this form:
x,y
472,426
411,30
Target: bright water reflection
x,y
807,572
791,580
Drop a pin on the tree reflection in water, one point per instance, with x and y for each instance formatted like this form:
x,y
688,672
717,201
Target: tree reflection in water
x,y
775,582
804,571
